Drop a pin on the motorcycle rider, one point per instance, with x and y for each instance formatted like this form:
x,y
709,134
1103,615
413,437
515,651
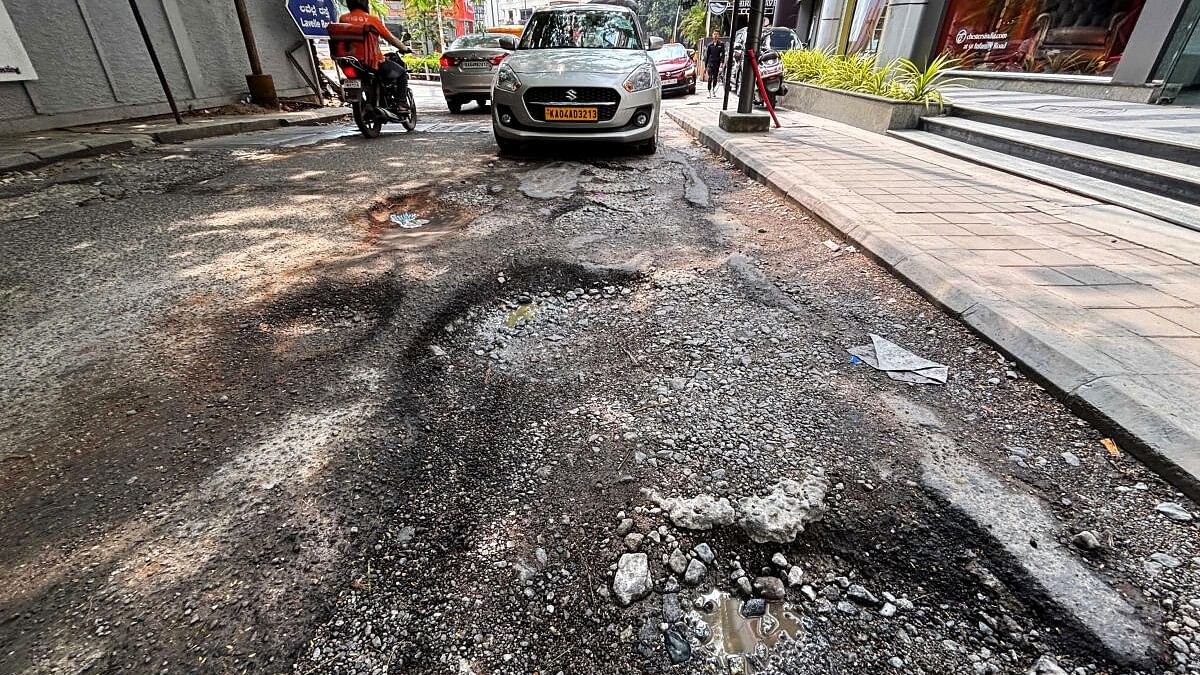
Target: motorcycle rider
x,y
714,56
395,74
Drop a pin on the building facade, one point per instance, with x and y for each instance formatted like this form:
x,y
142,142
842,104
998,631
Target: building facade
x,y
1136,50
88,64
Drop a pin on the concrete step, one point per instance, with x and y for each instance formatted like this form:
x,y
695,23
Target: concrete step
x,y
1157,206
1163,177
1132,139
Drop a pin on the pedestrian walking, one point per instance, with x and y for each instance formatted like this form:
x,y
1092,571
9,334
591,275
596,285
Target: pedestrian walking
x,y
714,56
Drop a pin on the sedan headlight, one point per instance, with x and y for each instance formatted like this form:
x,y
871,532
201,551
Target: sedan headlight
x,y
641,79
506,78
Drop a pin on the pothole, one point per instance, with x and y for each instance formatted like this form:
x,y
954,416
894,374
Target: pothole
x,y
415,220
732,637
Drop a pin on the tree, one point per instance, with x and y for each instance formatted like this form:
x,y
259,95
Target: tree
x,y
691,24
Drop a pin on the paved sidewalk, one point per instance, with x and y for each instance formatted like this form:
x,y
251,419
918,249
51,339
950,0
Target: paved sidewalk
x,y
25,151
1100,303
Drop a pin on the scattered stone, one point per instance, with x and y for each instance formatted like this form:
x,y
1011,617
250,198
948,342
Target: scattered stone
x,y
678,648
1166,560
1086,540
754,607
705,553
1070,458
633,540
861,595
672,612
1174,511
678,562
632,580
694,573
846,608
896,662
1046,665
888,610
770,588
779,561
795,576
743,584
625,527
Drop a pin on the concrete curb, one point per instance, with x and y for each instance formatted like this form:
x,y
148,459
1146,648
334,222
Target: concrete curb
x,y
89,143
1125,407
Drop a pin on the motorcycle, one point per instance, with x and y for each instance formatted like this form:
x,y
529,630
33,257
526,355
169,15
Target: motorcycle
x,y
770,68
372,100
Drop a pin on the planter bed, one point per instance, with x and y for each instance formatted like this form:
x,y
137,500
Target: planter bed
x,y
873,113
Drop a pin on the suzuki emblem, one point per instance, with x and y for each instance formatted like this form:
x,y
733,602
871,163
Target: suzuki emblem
x,y
571,95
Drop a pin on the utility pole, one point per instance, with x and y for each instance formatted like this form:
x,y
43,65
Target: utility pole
x,y
753,37
675,32
262,87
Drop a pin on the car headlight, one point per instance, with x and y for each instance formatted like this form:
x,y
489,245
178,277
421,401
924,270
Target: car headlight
x,y
641,79
506,78
690,70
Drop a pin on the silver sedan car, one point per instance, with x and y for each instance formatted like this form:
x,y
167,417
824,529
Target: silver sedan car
x,y
468,67
582,73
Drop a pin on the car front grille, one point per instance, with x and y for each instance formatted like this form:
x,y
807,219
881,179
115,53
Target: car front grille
x,y
604,99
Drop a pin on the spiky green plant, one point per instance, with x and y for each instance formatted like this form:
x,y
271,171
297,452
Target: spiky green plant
x,y
925,85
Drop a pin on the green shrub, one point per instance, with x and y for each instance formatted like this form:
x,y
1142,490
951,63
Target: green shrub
x,y
419,63
901,79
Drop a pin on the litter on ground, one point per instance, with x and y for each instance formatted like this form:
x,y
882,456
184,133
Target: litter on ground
x,y
899,363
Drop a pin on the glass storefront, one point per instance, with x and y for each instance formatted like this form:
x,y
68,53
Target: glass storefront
x,y
1180,64
1076,37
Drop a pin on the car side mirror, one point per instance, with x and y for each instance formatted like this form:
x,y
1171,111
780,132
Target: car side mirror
x,y
508,42
655,43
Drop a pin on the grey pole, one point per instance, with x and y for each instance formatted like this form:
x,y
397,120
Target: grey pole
x,y
753,37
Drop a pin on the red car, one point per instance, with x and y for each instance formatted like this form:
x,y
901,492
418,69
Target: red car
x,y
676,69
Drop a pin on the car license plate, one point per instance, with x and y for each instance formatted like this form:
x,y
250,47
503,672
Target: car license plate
x,y
477,65
670,80
562,114
349,85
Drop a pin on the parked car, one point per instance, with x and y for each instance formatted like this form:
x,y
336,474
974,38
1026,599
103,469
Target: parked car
x,y
676,69
468,67
580,72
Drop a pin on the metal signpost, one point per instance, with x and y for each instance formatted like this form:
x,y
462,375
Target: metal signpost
x,y
312,17
162,78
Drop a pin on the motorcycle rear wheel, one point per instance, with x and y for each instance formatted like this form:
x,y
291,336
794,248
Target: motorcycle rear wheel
x,y
369,128
410,120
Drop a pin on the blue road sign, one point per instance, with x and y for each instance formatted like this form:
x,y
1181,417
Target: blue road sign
x,y
312,16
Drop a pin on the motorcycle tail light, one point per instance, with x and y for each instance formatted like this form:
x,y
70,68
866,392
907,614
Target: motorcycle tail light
x,y
349,71
497,59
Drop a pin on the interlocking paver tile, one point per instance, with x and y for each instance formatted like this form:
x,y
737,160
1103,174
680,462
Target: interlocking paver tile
x,y
1147,323
1092,275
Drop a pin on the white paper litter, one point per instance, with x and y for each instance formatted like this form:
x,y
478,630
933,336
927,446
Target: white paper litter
x,y
899,363
831,245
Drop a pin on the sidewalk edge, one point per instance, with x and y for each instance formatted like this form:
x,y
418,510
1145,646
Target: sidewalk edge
x,y
1118,405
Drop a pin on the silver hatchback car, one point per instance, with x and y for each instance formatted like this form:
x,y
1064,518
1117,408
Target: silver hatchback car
x,y
580,72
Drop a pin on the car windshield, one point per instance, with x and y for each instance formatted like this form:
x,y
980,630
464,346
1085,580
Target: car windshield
x,y
490,41
670,52
588,29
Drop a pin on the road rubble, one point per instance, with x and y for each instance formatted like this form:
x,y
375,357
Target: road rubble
x,y
592,417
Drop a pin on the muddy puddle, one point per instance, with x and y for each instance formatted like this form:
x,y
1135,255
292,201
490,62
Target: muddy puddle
x,y
738,641
415,220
